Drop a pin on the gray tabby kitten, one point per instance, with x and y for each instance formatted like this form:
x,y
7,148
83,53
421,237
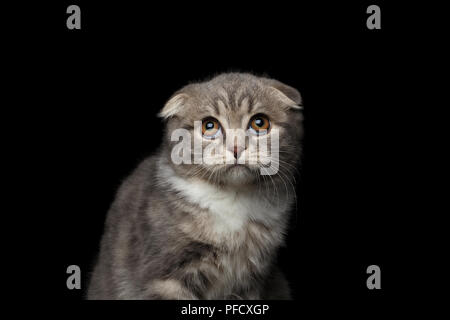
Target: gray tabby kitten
x,y
206,231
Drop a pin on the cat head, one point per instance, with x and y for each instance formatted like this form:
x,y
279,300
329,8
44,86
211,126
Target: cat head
x,y
235,129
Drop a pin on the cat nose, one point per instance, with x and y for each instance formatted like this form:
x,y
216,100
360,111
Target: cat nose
x,y
236,151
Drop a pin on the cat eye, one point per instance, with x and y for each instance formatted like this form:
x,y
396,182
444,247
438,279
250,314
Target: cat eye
x,y
259,124
211,128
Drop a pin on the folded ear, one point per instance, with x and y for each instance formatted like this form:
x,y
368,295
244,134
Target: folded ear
x,y
173,106
285,93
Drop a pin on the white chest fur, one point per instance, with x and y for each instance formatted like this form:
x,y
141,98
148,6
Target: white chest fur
x,y
230,209
242,221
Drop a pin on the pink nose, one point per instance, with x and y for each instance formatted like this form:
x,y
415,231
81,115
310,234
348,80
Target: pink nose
x,y
236,151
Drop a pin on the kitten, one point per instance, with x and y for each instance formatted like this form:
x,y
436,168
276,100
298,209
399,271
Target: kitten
x,y
207,231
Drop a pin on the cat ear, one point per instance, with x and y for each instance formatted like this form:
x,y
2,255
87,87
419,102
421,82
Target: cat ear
x,y
287,94
173,106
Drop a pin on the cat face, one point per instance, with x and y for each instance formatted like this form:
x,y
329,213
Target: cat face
x,y
235,129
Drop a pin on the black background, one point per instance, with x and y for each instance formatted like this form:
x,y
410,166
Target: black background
x,y
100,89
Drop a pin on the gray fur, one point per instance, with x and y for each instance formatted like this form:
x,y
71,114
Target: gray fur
x,y
159,243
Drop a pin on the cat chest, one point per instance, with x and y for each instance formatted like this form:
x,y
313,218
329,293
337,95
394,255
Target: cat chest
x,y
230,207
230,219
230,222
233,274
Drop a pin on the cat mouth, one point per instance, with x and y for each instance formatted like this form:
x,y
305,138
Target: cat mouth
x,y
237,166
